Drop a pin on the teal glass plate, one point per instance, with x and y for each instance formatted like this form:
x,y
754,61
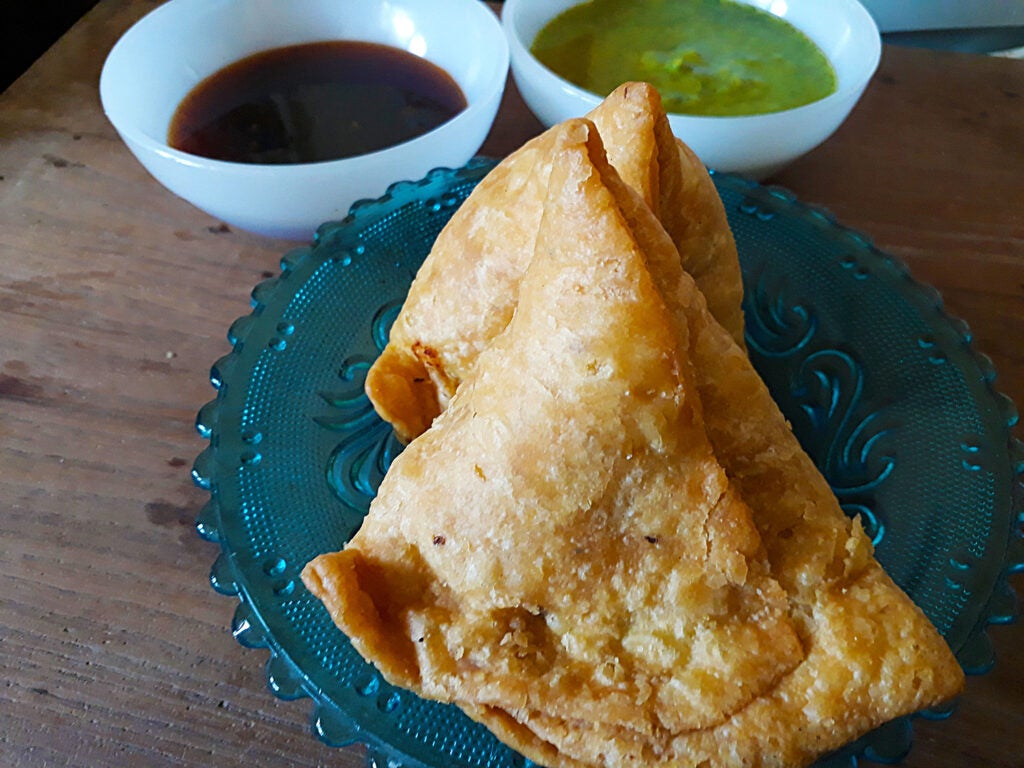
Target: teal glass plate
x,y
882,388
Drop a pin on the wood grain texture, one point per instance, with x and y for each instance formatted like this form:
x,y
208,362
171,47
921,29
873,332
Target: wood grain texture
x,y
115,297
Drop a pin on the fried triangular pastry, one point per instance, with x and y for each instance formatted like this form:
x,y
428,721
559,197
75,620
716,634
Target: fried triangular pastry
x,y
564,556
854,622
466,291
563,541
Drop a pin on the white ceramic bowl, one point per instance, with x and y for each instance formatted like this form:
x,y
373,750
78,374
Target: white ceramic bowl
x,y
160,59
756,145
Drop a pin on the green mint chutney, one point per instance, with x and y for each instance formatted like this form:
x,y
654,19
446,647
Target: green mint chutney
x,y
706,57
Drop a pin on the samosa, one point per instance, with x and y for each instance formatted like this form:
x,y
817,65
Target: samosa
x,y
466,290
566,555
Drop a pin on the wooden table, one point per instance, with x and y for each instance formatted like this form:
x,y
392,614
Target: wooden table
x,y
115,297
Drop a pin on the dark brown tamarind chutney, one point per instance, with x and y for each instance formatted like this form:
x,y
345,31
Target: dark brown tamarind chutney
x,y
314,102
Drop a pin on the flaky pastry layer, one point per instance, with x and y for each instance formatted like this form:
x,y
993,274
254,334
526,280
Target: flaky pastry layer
x,y
610,548
467,288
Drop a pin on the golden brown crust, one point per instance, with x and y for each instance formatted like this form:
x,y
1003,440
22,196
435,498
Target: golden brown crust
x,y
467,289
610,548
693,215
462,297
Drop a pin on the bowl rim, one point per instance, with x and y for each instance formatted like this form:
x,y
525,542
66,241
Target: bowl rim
x,y
485,21
510,18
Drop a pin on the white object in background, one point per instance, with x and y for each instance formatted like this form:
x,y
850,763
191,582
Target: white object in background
x,y
168,52
910,15
755,145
